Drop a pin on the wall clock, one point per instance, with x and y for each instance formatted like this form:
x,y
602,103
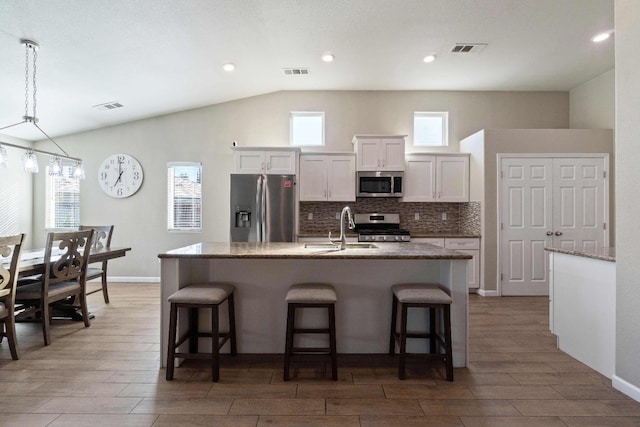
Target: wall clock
x,y
120,175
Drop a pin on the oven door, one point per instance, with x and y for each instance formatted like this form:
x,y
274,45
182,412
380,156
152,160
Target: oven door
x,y
379,184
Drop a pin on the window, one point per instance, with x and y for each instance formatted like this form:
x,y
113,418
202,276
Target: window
x,y
62,203
431,128
307,128
184,196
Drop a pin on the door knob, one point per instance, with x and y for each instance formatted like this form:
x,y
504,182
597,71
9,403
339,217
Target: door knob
x,y
549,233
558,233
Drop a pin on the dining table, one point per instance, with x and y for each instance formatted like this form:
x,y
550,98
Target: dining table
x,y
32,260
32,263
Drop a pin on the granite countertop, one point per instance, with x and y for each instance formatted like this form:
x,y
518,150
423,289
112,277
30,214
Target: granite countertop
x,y
298,251
601,253
449,235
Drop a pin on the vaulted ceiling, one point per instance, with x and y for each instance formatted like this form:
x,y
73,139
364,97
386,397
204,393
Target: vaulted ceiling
x,y
160,56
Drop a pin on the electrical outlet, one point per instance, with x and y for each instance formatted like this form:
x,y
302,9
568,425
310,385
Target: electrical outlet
x,y
417,216
444,216
338,215
310,216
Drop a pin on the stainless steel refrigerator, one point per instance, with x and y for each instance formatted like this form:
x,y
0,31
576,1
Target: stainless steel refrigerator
x,y
263,208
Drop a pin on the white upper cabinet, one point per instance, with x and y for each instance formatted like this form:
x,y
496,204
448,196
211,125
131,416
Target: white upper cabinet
x,y
327,177
452,178
379,153
264,161
436,178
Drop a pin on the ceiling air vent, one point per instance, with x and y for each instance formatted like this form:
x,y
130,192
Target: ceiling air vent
x,y
296,71
108,106
468,47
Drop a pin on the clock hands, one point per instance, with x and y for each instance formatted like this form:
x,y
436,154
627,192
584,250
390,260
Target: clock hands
x,y
120,172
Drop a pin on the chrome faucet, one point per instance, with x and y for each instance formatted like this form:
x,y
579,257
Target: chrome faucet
x,y
342,241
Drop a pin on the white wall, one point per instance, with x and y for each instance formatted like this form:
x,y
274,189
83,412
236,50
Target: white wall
x,y
627,180
205,135
592,104
16,193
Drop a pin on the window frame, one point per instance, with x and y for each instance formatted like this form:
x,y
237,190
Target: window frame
x,y
171,205
444,116
51,189
295,114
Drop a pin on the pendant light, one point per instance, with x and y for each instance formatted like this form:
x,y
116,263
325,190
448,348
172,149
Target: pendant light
x,y
29,159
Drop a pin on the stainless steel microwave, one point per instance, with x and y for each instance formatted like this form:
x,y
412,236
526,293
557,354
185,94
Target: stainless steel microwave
x,y
379,184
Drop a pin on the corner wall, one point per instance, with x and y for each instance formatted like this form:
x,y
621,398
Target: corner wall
x,y
627,371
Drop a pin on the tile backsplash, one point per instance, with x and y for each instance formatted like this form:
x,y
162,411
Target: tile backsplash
x,y
462,218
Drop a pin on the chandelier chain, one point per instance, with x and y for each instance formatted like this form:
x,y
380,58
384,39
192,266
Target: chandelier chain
x,y
26,81
35,88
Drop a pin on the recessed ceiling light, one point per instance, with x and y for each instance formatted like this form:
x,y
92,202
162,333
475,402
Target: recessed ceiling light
x,y
328,57
601,37
430,58
228,66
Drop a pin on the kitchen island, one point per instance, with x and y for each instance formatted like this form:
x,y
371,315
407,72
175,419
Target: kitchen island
x,y
362,277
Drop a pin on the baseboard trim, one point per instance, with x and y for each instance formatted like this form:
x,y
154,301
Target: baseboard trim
x,y
134,279
626,387
486,293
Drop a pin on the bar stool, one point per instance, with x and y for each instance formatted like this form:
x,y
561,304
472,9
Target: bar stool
x,y
311,295
435,300
194,297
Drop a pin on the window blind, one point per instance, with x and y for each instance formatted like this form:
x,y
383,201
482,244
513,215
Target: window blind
x,y
62,205
184,196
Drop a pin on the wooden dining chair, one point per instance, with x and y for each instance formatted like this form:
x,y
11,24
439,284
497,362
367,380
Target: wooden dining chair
x,y
10,248
65,276
101,239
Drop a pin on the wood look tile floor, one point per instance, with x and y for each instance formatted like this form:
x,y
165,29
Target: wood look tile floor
x,y
108,375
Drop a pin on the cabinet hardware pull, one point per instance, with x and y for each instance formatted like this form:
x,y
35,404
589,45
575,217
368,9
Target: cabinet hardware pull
x,y
558,233
549,233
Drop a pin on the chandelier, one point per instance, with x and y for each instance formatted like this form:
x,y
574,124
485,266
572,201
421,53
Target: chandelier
x,y
29,159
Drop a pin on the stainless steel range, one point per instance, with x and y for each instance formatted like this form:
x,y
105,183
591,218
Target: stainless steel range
x,y
378,227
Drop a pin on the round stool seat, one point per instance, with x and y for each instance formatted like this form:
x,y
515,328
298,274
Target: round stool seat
x,y
202,293
311,293
421,294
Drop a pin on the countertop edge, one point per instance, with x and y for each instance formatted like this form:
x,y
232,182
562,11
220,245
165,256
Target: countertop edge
x,y
599,254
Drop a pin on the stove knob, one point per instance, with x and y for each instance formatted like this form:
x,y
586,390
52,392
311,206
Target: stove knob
x,y
384,237
398,237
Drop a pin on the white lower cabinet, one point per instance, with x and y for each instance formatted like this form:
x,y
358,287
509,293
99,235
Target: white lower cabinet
x,y
469,246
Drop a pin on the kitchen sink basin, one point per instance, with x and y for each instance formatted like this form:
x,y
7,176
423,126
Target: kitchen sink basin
x,y
337,246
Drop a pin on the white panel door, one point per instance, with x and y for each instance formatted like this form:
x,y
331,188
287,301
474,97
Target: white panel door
x,y
560,202
526,213
579,203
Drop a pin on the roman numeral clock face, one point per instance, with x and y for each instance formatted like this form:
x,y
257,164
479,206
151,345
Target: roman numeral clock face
x,y
120,175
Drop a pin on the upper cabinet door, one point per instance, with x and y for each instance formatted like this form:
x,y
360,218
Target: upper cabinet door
x,y
420,179
368,153
452,180
341,178
313,178
391,154
249,162
280,162
275,162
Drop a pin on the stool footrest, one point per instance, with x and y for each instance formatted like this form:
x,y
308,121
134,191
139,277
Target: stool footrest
x,y
320,350
311,331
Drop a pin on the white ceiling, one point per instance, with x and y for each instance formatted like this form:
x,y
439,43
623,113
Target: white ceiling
x,y
162,56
